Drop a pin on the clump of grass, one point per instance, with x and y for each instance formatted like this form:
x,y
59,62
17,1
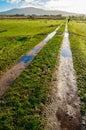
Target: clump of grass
x,y
22,105
78,46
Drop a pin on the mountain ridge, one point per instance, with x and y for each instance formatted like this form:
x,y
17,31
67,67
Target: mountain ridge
x,y
35,11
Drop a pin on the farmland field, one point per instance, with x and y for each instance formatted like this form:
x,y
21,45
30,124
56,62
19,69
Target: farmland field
x,y
22,106
19,36
77,31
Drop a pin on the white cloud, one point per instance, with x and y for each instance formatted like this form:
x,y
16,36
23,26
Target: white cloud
x,y
67,5
34,3
13,1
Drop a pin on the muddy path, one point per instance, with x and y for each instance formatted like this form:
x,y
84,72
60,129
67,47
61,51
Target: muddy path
x,y
10,76
63,111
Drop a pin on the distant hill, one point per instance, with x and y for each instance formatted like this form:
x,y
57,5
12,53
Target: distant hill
x,y
35,11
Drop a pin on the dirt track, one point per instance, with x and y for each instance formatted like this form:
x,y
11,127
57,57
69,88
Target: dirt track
x,y
63,112
9,77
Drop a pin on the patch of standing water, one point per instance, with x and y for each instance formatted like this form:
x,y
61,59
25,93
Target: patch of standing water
x,y
66,52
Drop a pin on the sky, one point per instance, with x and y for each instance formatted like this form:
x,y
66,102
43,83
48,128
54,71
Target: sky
x,y
77,6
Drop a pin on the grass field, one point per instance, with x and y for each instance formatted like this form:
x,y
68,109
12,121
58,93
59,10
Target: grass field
x,y
22,105
19,36
77,31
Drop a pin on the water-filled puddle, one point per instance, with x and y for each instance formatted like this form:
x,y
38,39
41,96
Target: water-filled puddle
x,y
33,49
66,52
49,37
66,34
26,59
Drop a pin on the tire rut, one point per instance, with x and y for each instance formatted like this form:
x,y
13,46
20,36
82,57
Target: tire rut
x,y
63,111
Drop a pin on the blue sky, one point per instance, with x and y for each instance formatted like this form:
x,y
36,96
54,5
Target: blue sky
x,y
4,5
78,6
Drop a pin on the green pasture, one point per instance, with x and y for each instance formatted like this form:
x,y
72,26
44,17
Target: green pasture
x,y
9,28
77,31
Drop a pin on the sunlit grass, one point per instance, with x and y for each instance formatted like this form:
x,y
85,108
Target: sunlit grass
x,y
26,27
78,46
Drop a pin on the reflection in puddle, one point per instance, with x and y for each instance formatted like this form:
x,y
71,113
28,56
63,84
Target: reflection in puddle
x,y
26,59
66,34
49,37
31,55
66,52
